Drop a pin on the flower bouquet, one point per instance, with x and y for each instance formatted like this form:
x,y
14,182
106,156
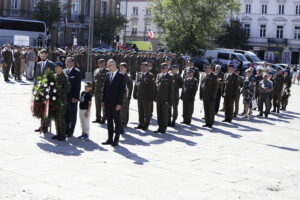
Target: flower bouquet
x,y
46,103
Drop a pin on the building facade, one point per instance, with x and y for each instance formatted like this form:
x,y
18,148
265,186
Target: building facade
x,y
273,27
74,20
140,22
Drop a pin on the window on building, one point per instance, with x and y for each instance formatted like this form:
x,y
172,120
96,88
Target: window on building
x,y
279,32
248,8
75,10
148,12
104,8
264,8
297,33
281,9
297,9
15,4
247,29
135,11
134,29
263,29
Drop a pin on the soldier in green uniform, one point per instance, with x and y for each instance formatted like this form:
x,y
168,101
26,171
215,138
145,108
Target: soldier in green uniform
x,y
189,90
191,65
64,87
126,101
178,82
7,62
237,97
164,97
208,93
144,92
278,86
181,63
231,87
98,85
286,90
134,66
17,64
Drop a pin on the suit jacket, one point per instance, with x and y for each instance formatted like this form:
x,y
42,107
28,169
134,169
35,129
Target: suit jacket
x,y
144,88
165,88
209,87
75,83
38,70
113,92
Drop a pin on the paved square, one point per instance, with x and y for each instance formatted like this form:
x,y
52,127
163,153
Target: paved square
x,y
248,159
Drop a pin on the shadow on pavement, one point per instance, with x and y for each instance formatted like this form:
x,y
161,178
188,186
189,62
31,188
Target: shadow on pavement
x,y
87,145
283,148
217,130
129,155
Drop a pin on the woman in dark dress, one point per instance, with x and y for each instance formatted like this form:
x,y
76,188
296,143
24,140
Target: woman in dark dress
x,y
248,93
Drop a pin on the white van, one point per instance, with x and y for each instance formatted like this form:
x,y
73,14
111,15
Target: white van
x,y
250,56
224,56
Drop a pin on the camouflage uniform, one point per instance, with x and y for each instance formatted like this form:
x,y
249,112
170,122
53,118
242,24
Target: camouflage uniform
x,y
64,87
17,65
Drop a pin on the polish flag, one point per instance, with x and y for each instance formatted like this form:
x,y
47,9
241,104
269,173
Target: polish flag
x,y
151,34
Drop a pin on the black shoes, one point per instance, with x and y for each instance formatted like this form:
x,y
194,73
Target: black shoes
x,y
160,131
96,121
139,127
172,124
38,130
58,138
108,142
102,121
206,125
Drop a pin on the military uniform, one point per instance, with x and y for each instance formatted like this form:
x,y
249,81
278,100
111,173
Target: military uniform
x,y
237,96
231,87
17,65
196,72
178,82
164,99
208,93
144,92
126,100
7,62
64,87
286,92
277,92
220,76
134,66
189,90
98,83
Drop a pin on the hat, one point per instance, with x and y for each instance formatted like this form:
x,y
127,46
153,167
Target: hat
x,y
271,73
191,71
173,67
191,60
168,59
237,69
150,61
208,66
88,84
59,64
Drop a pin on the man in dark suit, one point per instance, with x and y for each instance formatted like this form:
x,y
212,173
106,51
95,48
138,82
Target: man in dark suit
x,y
220,76
43,65
208,93
112,99
231,87
40,69
74,76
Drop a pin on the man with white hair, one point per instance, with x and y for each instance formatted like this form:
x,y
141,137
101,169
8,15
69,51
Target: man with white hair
x,y
112,99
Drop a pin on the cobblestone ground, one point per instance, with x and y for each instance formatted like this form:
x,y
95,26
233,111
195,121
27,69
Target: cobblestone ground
x,y
248,159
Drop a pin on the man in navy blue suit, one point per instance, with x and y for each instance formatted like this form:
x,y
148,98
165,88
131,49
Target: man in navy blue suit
x,y
113,93
73,96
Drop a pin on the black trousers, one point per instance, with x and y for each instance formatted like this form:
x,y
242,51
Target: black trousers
x,y
264,98
173,111
188,110
228,104
276,99
145,109
162,115
114,123
71,118
218,100
209,112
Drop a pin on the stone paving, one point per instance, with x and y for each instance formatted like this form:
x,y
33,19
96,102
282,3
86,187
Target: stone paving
x,y
248,159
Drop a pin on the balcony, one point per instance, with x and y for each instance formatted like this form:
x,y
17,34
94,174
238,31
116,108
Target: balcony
x,y
277,41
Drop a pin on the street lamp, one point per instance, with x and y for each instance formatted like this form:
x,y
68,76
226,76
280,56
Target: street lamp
x,y
89,73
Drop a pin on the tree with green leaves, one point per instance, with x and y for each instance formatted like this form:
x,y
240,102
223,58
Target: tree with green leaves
x,y
189,25
234,35
49,12
107,27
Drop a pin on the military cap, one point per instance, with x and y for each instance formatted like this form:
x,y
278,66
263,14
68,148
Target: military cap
x,y
101,60
150,61
191,71
59,64
88,84
208,66
168,59
173,67
192,60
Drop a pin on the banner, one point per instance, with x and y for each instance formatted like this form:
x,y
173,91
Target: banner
x,y
21,40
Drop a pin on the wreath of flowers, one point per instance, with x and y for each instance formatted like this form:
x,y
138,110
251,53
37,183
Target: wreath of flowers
x,y
46,103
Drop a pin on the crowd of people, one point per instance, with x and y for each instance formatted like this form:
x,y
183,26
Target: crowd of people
x,y
148,77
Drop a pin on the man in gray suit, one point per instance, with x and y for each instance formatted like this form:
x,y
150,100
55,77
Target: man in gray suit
x,y
40,69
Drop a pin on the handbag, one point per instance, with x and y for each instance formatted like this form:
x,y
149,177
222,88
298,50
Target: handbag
x,y
254,104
